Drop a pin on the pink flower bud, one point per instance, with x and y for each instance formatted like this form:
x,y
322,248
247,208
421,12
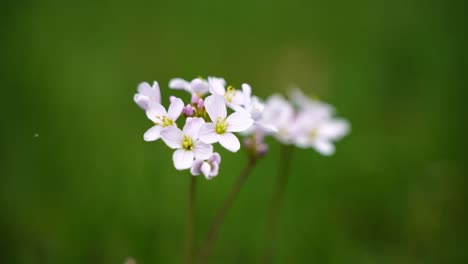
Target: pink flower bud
x,y
200,104
194,99
188,111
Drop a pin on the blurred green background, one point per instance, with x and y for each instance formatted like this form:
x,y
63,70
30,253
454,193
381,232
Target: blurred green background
x,y
88,189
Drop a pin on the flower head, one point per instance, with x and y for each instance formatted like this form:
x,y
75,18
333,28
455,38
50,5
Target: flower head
x,y
147,95
186,143
162,119
221,126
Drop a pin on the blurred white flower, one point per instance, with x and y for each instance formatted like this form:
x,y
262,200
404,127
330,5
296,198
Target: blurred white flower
x,y
221,128
147,95
209,168
186,143
314,130
162,118
279,113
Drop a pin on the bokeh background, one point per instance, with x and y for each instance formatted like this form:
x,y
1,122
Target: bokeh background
x,y
79,185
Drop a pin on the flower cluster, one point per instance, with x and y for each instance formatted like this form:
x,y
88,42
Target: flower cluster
x,y
216,112
304,122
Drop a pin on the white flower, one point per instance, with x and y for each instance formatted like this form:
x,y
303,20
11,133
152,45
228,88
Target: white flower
x,y
197,86
209,167
147,95
221,128
186,143
319,132
232,96
162,118
279,113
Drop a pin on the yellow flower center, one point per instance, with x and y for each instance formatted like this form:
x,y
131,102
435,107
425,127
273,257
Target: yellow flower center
x,y
187,143
164,121
230,93
312,133
221,125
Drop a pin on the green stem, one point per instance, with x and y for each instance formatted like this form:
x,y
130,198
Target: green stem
x,y
189,242
277,201
221,214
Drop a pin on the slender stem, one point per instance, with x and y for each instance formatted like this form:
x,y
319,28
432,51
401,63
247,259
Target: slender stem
x,y
276,202
221,214
189,248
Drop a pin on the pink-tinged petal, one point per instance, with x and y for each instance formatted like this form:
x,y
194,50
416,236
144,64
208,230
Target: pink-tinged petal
x,y
182,159
152,134
217,85
154,111
196,167
199,86
155,94
202,150
205,169
215,158
229,142
207,133
334,129
247,93
192,127
325,148
238,98
173,137
144,88
215,107
239,121
142,101
179,84
175,109
214,171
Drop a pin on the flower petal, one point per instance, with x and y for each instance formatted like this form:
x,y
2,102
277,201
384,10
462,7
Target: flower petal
x,y
217,85
206,169
144,88
152,134
173,137
155,93
239,121
229,141
207,133
334,129
175,109
179,84
182,159
199,86
196,167
215,158
192,127
154,111
215,107
247,93
202,150
214,171
325,148
238,98
142,101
